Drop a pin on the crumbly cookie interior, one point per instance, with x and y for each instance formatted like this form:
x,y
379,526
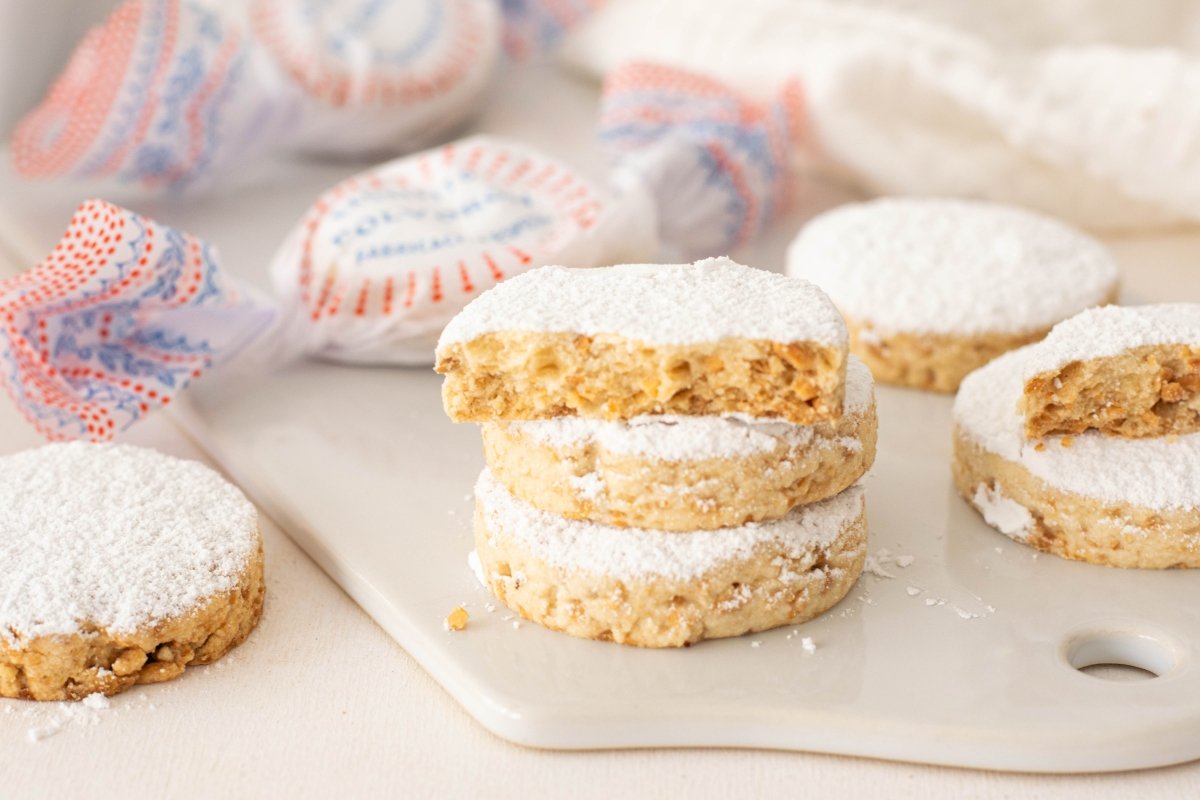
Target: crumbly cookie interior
x,y
523,375
1144,391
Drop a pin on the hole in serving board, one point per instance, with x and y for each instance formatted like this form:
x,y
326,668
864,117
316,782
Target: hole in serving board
x,y
1120,655
1117,672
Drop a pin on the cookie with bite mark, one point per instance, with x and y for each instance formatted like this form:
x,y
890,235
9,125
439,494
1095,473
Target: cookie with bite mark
x,y
1131,371
1088,497
614,343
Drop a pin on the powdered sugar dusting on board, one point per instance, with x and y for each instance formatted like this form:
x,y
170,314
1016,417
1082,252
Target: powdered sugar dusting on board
x,y
1111,330
927,265
638,553
671,437
1154,473
708,301
114,536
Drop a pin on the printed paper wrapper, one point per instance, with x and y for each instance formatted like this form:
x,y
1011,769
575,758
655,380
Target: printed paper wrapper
x,y
119,318
126,312
381,262
169,95
718,166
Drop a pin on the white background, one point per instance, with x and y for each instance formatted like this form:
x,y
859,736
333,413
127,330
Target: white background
x,y
320,701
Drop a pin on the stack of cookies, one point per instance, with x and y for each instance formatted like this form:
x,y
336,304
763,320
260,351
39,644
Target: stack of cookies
x,y
672,451
1087,444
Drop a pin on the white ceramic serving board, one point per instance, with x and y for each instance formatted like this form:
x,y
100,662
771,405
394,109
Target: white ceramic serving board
x,y
962,658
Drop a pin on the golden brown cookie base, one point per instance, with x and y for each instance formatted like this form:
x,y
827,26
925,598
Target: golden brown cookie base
x,y
521,375
931,361
72,667
701,494
766,591
1077,527
1145,391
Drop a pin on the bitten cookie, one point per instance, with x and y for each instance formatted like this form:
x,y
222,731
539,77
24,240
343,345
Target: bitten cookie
x,y
659,589
1091,497
1129,371
932,289
713,337
679,473
120,566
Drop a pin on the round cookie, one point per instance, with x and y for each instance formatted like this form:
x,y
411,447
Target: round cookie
x,y
681,473
659,589
1091,497
932,289
121,566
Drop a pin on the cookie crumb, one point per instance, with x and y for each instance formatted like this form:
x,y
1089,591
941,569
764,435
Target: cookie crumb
x,y
913,591
875,565
44,732
809,645
456,620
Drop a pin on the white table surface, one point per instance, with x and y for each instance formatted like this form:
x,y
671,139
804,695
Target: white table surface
x,y
320,701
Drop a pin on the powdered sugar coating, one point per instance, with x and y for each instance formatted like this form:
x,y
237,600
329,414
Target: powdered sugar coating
x,y
1111,330
637,553
1154,473
115,537
928,265
673,437
708,301
1003,513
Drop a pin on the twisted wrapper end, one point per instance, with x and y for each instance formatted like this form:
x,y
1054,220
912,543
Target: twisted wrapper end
x,y
531,27
719,166
123,315
157,97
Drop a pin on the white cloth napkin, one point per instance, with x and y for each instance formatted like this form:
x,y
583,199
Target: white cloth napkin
x,y
1086,109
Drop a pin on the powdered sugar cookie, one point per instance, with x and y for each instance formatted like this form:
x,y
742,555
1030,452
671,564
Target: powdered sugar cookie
x,y
1129,371
659,589
121,566
934,288
616,342
1091,497
681,473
